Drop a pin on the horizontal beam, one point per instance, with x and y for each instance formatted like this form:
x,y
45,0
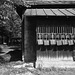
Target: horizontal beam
x,y
52,6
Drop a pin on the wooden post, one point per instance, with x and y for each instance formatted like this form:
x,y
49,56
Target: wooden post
x,y
29,39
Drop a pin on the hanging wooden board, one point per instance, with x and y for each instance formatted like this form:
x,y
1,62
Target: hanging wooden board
x,y
40,41
53,42
70,42
65,41
46,42
59,42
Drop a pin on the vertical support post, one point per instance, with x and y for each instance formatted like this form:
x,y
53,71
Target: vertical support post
x,y
29,37
22,38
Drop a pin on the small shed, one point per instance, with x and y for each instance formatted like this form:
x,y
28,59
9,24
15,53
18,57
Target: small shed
x,y
46,17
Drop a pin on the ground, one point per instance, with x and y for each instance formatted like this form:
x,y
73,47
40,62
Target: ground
x,y
20,68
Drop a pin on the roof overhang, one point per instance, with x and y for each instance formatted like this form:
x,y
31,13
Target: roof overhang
x,y
50,12
50,8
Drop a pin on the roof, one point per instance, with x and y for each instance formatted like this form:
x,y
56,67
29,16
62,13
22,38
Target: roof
x,y
50,12
48,2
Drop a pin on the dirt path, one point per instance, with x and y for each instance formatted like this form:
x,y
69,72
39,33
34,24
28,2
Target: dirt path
x,y
8,69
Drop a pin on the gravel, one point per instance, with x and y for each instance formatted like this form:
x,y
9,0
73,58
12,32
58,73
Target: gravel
x,y
8,69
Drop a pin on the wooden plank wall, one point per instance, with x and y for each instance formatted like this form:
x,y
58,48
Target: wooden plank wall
x,y
58,55
29,39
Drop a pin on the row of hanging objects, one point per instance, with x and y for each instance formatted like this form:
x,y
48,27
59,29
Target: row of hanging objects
x,y
45,37
53,39
61,29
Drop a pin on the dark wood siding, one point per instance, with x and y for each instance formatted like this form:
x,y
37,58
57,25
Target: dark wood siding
x,y
29,39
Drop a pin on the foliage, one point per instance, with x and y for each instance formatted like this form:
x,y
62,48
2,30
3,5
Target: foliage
x,y
17,2
9,20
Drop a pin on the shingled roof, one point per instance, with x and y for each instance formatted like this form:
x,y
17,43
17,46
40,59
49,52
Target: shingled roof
x,y
48,2
50,8
50,12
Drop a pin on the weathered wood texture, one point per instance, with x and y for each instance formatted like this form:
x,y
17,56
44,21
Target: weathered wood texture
x,y
54,55
47,2
29,39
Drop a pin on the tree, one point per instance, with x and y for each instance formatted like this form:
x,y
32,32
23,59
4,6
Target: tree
x,y
10,20
19,5
11,16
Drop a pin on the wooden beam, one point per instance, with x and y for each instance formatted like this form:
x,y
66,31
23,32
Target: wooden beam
x,y
29,39
53,6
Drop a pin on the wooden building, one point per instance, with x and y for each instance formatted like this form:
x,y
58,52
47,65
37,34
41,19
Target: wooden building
x,y
48,28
